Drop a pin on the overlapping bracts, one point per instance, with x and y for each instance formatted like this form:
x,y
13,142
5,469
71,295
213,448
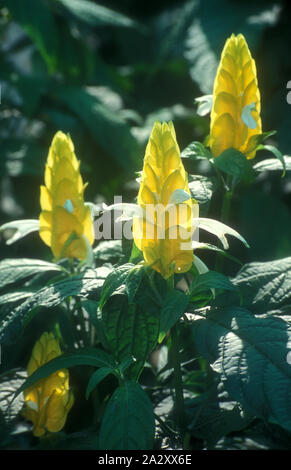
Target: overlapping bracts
x,y
235,115
65,221
165,231
48,402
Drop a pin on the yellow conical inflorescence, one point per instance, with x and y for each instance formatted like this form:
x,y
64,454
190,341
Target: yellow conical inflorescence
x,y
47,402
235,115
164,233
65,221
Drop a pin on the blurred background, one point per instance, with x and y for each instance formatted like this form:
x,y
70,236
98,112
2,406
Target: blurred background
x,y
105,71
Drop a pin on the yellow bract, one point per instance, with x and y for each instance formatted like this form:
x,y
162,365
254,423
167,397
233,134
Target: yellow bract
x,y
166,229
65,222
48,402
235,115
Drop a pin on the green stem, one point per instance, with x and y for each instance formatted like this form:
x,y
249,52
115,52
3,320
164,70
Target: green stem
x,y
178,383
225,210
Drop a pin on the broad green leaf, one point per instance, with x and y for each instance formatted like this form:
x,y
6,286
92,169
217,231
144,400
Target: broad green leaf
x,y
21,227
9,383
196,151
213,414
13,270
109,250
251,355
234,163
80,285
87,356
136,254
265,286
102,122
131,330
97,15
133,281
15,296
128,422
202,188
211,280
37,20
173,307
114,281
272,164
97,377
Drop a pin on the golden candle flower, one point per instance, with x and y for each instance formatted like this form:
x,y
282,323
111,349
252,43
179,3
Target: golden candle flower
x,y
165,231
65,221
235,115
48,402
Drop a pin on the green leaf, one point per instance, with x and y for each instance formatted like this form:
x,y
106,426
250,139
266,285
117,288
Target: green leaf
x,y
196,151
251,355
173,307
80,285
277,154
13,270
265,286
136,254
128,422
133,281
21,227
114,281
102,122
234,163
256,140
211,280
131,330
214,414
97,377
87,356
37,20
97,15
11,297
108,251
202,188
9,383
272,164
219,229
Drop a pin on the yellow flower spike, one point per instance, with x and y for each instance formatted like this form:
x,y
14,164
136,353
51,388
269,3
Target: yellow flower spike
x,y
48,402
235,115
164,235
65,221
